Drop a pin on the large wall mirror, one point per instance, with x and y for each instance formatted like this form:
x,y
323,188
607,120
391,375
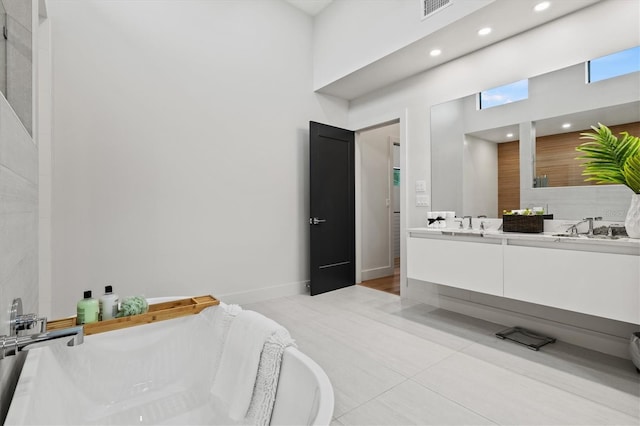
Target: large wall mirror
x,y
16,62
519,155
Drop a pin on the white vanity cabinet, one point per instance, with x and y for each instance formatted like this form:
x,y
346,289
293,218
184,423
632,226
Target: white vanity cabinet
x,y
601,284
600,278
473,263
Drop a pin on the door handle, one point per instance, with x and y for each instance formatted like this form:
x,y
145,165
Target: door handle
x,y
315,221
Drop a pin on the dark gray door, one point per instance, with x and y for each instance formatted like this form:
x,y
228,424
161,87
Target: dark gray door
x,y
332,198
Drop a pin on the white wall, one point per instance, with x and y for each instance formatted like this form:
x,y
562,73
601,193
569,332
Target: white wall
x,y
558,44
349,35
447,153
480,177
376,209
180,148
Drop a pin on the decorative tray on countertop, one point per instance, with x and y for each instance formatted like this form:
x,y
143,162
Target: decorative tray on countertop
x,y
157,312
523,223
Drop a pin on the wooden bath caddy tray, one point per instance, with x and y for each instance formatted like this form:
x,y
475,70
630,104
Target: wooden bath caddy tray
x,y
157,312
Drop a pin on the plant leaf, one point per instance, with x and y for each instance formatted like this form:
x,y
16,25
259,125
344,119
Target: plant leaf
x,y
631,172
605,157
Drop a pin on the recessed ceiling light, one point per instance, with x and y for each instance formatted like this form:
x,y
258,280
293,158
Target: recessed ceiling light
x,y
566,125
509,135
542,6
435,52
484,31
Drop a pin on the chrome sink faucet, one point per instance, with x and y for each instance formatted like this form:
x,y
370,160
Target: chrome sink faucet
x,y
482,224
573,229
468,217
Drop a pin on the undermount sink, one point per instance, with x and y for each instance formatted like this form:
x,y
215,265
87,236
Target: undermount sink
x,y
597,236
464,233
605,237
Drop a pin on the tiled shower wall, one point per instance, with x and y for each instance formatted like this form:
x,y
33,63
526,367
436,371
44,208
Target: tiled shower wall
x,y
18,228
18,215
19,182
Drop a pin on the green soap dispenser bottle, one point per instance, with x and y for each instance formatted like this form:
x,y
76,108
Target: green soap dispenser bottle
x,y
88,309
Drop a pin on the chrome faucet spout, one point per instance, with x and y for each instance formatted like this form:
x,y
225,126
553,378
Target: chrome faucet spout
x,y
10,345
76,332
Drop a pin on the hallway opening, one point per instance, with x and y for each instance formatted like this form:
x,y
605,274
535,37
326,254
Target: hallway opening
x,y
389,284
379,178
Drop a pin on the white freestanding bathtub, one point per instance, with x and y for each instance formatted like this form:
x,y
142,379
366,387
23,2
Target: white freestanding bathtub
x,y
152,374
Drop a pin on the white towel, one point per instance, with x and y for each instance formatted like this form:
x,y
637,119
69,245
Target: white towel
x,y
264,392
238,369
220,318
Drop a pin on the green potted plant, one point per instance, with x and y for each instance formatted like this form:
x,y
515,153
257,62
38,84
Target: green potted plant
x,y
613,159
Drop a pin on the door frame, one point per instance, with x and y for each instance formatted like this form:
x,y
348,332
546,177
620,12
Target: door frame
x,y
392,142
368,124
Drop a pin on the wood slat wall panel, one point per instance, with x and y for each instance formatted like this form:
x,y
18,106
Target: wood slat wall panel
x,y
508,176
555,156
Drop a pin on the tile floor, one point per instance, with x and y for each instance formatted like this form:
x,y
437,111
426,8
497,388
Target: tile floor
x,y
399,362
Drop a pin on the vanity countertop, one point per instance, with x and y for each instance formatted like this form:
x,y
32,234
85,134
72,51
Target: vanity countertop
x,y
544,237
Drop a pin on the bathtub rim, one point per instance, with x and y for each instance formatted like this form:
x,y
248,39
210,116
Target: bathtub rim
x,y
324,398
322,404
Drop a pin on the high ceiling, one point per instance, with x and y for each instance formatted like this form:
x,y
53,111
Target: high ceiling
x,y
506,17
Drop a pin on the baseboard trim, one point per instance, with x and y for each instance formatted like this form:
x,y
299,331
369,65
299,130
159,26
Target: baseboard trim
x,y
587,338
266,293
372,274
